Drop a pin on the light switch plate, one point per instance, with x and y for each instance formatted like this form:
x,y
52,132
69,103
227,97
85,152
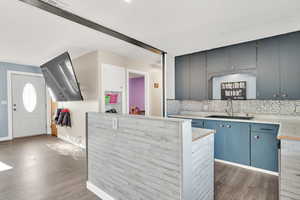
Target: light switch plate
x,y
115,123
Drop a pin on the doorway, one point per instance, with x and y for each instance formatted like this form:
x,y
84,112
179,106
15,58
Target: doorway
x,y
138,92
26,104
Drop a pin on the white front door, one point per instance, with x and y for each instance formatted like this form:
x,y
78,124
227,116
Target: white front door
x,y
28,105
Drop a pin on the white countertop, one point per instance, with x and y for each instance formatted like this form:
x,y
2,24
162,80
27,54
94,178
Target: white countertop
x,y
289,126
199,133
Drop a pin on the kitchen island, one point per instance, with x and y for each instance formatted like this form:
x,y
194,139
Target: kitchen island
x,y
134,157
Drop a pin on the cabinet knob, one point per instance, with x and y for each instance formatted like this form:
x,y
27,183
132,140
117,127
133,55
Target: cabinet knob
x,y
228,126
221,125
256,137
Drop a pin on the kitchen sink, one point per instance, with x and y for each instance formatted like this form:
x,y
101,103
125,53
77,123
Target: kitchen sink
x,y
230,117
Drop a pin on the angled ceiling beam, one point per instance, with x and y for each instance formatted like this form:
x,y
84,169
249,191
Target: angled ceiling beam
x,y
90,24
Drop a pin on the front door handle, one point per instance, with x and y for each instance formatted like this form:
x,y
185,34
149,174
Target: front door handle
x,y
14,107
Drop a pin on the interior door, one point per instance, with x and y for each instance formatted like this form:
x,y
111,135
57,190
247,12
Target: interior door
x,y
28,105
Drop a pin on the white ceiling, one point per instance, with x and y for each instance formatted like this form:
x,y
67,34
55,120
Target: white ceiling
x,y
186,26
31,36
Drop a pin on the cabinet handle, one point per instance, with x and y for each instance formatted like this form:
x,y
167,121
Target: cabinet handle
x,y
221,125
266,129
256,137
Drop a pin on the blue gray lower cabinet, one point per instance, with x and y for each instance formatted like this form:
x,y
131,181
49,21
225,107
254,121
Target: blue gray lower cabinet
x,y
198,123
244,143
232,141
264,146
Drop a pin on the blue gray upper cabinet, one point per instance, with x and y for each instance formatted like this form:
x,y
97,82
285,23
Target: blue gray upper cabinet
x,y
232,59
278,67
268,76
289,58
190,77
182,77
242,56
276,61
198,78
218,61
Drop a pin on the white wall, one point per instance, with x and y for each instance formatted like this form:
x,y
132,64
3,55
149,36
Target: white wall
x,y
87,69
156,93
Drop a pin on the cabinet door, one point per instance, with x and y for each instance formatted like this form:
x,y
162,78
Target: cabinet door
x,y
268,78
264,150
198,80
218,61
182,77
242,56
290,66
238,143
219,138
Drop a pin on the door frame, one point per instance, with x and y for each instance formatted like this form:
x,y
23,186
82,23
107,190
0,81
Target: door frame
x,y
9,100
147,89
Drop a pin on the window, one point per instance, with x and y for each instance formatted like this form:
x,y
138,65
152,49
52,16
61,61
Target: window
x,y
29,97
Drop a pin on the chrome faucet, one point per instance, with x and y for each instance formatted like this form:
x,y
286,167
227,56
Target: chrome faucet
x,y
229,109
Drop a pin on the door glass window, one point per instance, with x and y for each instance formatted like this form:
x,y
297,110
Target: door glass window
x,y
29,97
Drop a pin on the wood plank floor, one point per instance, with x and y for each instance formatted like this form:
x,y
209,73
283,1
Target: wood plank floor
x,y
234,183
46,168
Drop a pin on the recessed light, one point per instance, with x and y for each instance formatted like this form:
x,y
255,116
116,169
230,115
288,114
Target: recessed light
x,y
127,1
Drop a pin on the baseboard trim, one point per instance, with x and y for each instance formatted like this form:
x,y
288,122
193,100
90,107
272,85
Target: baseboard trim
x,y
4,139
97,191
66,139
248,167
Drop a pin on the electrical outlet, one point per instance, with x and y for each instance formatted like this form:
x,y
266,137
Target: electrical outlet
x,y
115,123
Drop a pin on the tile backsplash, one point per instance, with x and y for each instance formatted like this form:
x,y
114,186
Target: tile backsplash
x,y
248,106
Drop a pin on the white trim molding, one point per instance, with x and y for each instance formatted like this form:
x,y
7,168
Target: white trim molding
x,y
9,100
97,191
248,167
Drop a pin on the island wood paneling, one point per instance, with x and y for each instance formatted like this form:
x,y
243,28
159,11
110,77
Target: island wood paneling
x,y
141,159
290,170
203,168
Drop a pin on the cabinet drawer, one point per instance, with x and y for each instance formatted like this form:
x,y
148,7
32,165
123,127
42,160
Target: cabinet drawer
x,y
265,128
